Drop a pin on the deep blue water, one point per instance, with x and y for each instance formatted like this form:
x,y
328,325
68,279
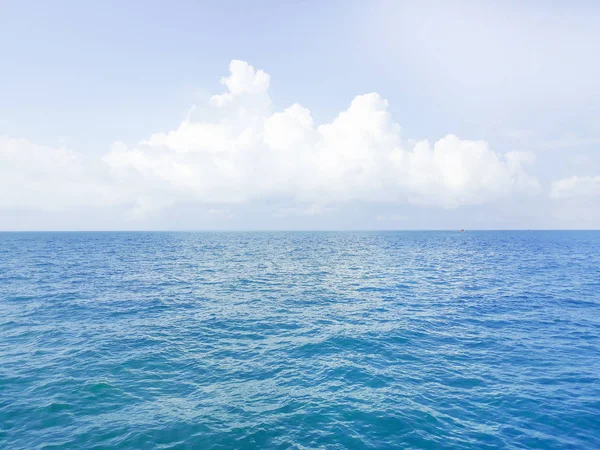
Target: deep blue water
x,y
300,340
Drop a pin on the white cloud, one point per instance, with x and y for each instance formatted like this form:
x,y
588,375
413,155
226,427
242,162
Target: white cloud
x,y
576,186
248,151
455,172
39,177
243,80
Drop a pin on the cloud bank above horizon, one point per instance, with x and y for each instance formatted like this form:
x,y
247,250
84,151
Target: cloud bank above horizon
x,y
238,149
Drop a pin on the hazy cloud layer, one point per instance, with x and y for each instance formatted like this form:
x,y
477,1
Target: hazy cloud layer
x,y
39,177
576,186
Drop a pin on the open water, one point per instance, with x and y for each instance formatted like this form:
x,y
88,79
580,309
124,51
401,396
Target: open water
x,y
328,340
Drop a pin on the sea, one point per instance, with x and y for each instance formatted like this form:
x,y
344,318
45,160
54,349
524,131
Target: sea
x,y
300,340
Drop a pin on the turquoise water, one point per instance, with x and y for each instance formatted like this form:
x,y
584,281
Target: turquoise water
x,y
300,340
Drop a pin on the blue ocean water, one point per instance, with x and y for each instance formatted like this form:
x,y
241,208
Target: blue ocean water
x,y
300,340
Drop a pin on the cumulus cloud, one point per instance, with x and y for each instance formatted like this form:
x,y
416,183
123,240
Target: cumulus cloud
x,y
576,186
249,151
244,79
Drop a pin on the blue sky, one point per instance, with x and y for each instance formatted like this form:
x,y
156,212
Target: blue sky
x,y
85,86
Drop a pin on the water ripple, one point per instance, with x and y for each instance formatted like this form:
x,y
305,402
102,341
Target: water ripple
x,y
300,340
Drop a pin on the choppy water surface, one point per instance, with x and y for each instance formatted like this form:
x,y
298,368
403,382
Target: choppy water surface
x,y
300,340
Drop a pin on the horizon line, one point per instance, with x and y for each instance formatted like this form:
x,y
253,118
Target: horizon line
x,y
241,230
